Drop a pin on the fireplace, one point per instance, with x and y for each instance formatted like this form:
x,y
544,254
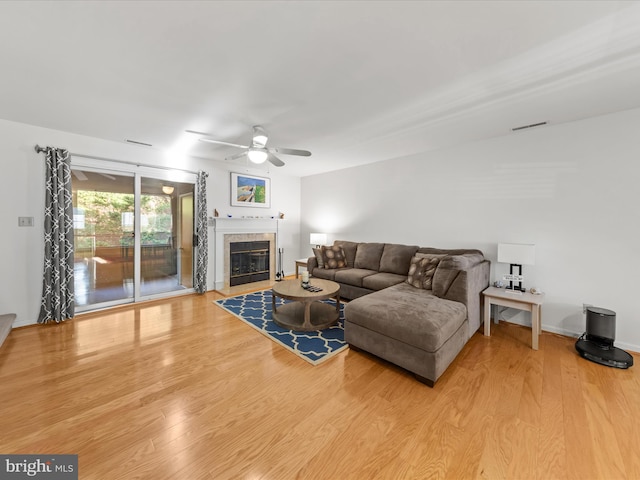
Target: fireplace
x,y
241,230
249,262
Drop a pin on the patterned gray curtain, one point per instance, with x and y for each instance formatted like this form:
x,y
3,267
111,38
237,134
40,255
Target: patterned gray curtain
x,y
58,301
200,283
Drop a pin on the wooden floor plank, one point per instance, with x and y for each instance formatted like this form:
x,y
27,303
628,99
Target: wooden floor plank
x,y
180,388
578,441
550,444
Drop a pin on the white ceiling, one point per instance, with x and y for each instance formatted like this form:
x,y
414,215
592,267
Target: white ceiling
x,y
354,82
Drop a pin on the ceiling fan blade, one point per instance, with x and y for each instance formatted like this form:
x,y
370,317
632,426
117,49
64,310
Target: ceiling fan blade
x,y
198,133
79,174
236,156
208,140
291,151
275,160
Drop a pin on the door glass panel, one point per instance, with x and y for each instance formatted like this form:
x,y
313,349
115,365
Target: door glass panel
x,y
103,218
186,214
163,220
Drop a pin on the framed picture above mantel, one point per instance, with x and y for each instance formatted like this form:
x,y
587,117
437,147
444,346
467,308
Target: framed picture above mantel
x,y
250,191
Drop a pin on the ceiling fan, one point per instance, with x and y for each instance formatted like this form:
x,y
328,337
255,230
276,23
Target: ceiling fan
x,y
257,152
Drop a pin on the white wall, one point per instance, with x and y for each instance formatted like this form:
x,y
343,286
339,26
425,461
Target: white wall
x,y
572,189
22,195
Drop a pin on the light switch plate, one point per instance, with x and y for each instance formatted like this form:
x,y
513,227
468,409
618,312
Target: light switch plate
x,y
25,221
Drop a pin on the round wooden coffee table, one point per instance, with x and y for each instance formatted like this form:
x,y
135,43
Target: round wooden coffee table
x,y
306,312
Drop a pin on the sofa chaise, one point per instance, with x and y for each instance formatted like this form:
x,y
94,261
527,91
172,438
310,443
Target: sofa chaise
x,y
413,306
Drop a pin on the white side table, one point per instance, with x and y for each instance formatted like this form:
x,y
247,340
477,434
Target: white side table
x,y
522,301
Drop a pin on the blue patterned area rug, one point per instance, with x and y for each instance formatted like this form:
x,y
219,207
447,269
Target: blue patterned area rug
x,y
315,347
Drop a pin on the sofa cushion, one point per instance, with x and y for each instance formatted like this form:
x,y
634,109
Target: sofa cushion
x,y
408,314
396,258
349,249
458,251
368,256
353,276
325,273
318,254
333,257
423,266
382,280
461,262
449,268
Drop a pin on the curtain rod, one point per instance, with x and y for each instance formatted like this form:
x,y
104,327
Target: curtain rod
x,y
40,149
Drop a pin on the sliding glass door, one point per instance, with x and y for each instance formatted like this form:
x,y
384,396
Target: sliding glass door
x,y
129,233
163,218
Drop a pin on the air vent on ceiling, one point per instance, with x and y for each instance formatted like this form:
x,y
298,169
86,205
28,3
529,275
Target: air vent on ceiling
x,y
138,143
524,127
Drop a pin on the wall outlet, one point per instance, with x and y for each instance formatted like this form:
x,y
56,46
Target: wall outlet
x,y
25,221
584,307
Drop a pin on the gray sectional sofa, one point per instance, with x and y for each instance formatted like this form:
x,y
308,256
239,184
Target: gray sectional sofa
x,y
413,306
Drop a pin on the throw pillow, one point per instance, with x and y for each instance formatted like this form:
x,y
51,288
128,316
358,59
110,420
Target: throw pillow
x,y
422,268
349,249
333,257
318,253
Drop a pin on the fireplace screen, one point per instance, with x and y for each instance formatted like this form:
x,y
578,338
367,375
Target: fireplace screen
x,y
249,262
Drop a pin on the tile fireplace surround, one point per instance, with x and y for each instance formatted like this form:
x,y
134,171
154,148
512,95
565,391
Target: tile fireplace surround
x,y
229,230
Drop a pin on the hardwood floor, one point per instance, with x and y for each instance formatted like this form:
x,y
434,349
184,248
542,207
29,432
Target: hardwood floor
x,y
180,389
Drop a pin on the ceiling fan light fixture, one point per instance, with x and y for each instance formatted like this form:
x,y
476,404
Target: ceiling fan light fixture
x,y
259,136
257,151
257,155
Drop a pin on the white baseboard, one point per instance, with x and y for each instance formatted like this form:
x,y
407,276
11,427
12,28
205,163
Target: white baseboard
x,y
574,334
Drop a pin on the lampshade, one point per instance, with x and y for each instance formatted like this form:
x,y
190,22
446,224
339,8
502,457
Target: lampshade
x,y
257,155
318,238
517,253
168,189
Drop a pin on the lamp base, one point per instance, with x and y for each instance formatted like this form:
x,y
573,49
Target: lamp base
x,y
515,289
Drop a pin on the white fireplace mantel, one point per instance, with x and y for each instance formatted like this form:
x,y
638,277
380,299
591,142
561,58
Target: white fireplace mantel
x,y
238,224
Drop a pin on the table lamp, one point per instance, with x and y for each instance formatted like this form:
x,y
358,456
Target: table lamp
x,y
516,255
318,239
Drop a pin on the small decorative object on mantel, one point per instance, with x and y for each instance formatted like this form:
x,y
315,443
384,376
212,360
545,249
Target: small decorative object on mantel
x,y
215,212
